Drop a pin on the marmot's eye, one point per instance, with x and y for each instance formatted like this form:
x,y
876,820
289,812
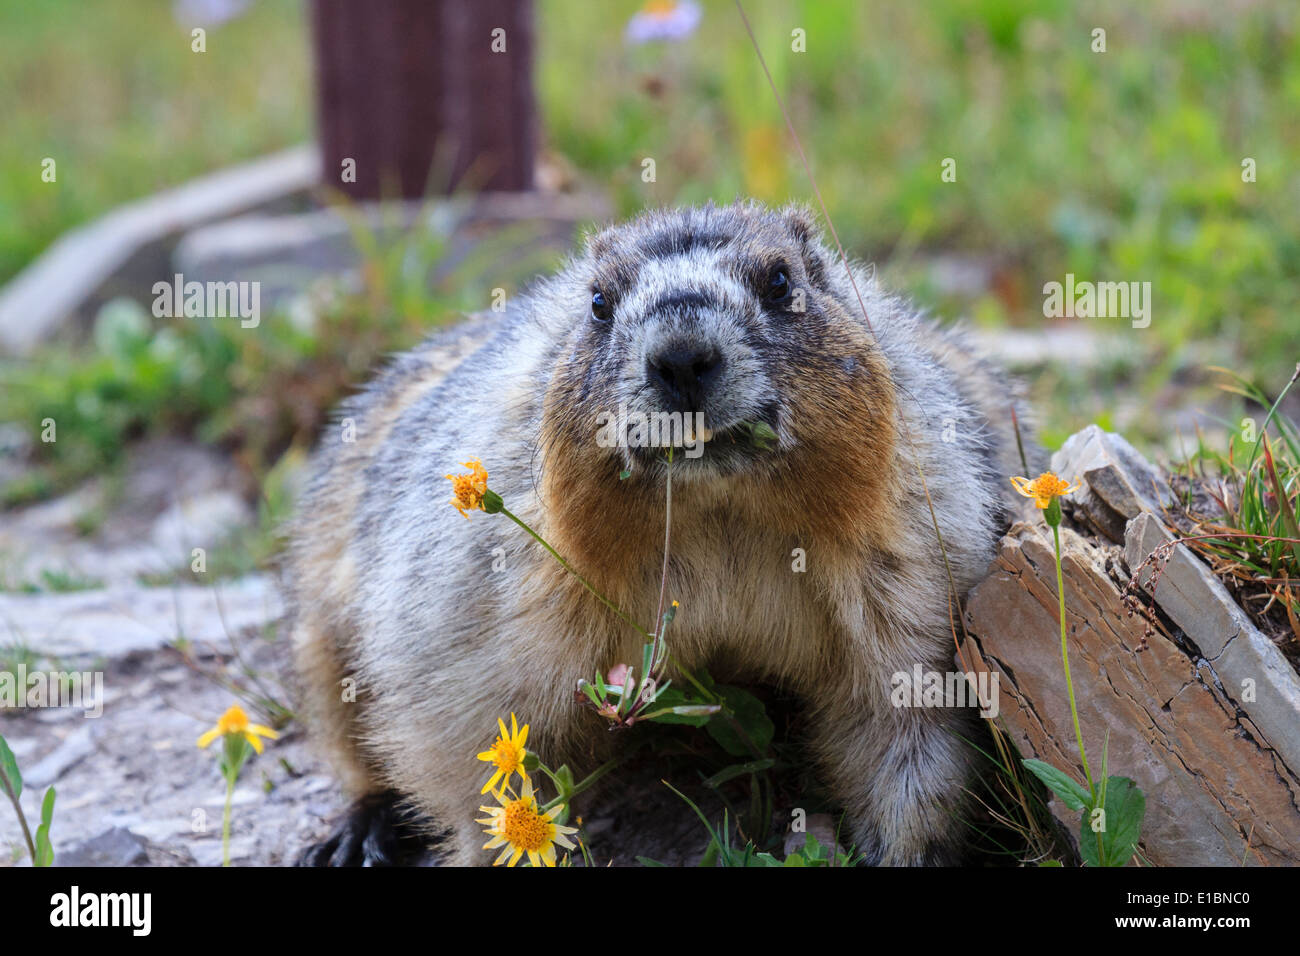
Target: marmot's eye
x,y
778,286
601,310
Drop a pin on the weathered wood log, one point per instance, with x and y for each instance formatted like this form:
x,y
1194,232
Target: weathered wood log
x,y
1204,715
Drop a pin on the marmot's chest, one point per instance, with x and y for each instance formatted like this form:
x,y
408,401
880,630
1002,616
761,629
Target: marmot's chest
x,y
754,598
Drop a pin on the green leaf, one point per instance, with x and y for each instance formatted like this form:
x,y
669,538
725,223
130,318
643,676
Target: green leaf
x,y
705,679
646,861
813,849
711,854
674,707
747,711
695,715
564,780
1124,809
761,435
9,769
47,807
590,691
44,851
1050,863
1060,783
738,770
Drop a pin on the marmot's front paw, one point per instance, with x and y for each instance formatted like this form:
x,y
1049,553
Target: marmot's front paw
x,y
869,850
377,831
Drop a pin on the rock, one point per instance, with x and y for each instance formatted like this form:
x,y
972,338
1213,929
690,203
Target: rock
x,y
174,497
115,847
1116,483
208,852
1217,794
120,251
147,775
820,825
122,620
78,745
1251,669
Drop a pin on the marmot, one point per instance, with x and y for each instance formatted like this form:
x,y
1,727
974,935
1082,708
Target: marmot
x,y
740,313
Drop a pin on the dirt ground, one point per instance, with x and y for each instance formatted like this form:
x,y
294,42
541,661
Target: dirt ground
x,y
134,789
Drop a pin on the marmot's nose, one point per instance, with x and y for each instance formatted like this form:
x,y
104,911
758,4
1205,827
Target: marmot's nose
x,y
685,374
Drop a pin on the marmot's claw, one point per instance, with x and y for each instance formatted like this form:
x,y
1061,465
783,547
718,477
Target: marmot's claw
x,y
375,832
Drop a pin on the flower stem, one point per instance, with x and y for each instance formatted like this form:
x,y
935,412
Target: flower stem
x,y
225,823
585,783
22,819
568,567
663,577
1065,660
707,694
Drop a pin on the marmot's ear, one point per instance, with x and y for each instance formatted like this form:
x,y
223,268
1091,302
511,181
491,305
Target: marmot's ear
x,y
803,224
801,221
597,242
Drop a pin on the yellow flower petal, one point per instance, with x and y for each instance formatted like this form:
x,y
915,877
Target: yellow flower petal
x,y
491,782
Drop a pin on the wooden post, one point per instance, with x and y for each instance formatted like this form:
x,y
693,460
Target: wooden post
x,y
415,94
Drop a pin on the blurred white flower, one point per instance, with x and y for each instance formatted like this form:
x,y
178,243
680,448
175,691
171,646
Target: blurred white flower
x,y
207,13
663,20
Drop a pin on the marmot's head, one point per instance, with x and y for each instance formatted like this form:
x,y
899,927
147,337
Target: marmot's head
x,y
714,330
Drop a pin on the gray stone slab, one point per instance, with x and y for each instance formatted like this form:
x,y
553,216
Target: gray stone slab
x,y
122,620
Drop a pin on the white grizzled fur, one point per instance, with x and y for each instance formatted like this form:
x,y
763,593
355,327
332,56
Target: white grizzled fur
x,y
395,589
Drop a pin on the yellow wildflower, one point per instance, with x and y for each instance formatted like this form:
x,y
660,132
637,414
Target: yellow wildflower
x,y
1043,488
521,828
235,722
469,489
507,754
